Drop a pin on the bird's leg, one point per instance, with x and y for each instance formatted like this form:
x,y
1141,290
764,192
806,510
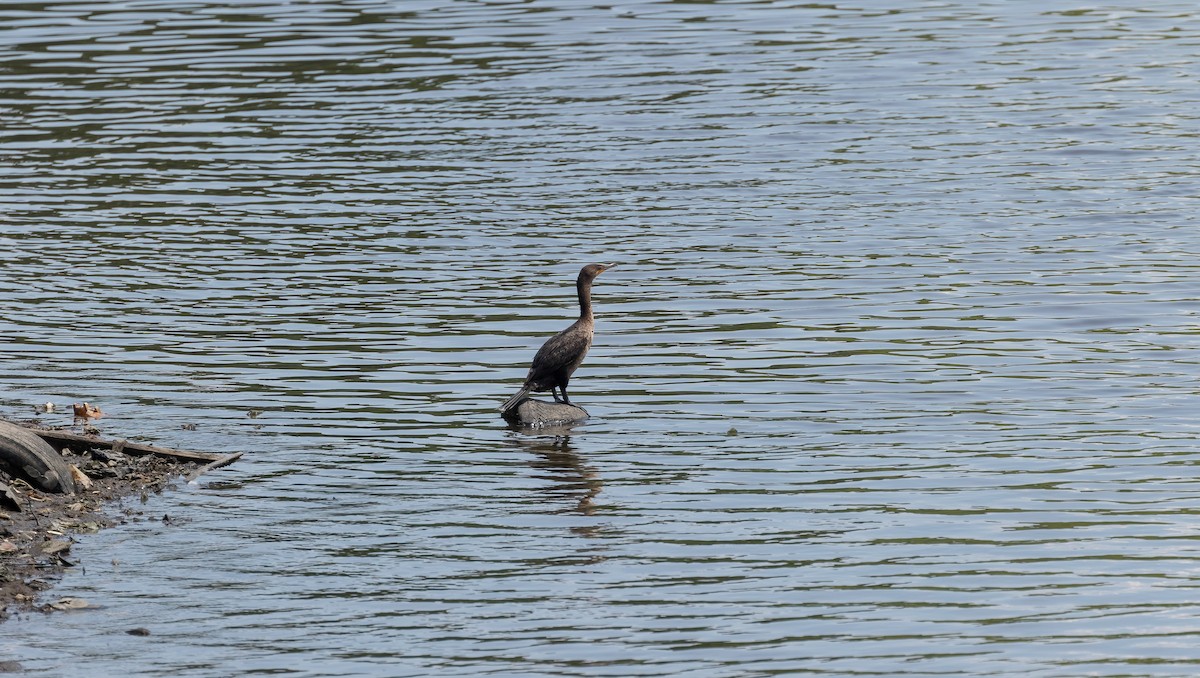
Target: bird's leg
x,y
565,398
554,392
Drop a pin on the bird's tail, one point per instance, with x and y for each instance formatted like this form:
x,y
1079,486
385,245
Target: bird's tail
x,y
515,400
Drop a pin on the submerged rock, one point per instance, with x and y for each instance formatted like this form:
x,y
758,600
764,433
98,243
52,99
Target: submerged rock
x,y
539,413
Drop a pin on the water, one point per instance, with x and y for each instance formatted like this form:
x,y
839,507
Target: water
x,y
896,376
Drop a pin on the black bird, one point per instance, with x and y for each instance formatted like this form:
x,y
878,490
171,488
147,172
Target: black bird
x,y
556,361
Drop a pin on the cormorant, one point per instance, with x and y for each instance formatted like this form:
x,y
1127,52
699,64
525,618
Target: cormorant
x,y
561,354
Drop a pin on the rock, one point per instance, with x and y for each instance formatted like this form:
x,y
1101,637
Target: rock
x,y
64,604
539,413
82,481
55,546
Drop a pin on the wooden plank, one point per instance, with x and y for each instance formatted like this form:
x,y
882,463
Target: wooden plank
x,y
81,443
223,461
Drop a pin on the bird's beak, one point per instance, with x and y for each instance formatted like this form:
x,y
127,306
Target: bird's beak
x,y
608,266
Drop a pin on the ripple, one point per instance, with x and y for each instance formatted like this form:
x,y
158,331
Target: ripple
x,y
894,377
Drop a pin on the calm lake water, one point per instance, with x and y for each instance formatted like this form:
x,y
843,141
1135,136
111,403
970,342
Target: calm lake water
x,y
898,374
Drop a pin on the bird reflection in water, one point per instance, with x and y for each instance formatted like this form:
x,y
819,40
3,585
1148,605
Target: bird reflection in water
x,y
571,478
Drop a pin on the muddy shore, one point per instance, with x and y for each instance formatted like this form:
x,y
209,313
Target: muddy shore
x,y
38,528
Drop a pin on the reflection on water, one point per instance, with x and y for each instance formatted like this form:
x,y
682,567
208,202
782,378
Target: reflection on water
x,y
897,375
557,462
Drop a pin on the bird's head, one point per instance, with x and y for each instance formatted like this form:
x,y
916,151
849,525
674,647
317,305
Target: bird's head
x,y
590,271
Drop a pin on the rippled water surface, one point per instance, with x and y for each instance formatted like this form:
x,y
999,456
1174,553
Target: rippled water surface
x,y
897,375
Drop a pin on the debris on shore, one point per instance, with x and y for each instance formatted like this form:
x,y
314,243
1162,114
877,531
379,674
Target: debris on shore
x,y
40,512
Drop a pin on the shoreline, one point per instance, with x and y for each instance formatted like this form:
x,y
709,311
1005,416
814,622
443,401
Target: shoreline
x,y
38,529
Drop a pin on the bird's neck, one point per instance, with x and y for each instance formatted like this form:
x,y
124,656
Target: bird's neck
x,y
584,287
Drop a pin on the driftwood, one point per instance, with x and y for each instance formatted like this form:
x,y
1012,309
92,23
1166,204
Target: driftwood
x,y
539,413
82,443
215,464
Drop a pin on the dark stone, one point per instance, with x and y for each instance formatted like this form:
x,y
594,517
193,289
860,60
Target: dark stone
x,y
539,413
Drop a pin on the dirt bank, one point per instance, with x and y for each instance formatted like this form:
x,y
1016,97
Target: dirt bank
x,y
37,528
